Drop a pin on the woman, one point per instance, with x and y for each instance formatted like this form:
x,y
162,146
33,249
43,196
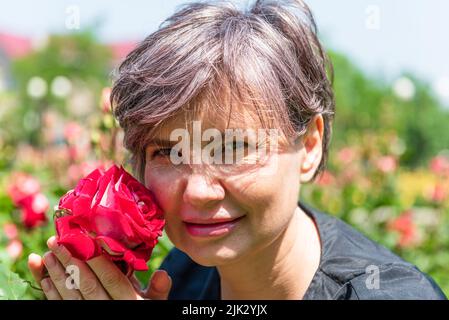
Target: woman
x,y
238,230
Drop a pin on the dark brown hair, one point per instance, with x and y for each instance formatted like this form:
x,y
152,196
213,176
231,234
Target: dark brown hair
x,y
267,57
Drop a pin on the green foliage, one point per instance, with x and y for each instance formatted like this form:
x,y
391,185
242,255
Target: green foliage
x,y
78,56
366,104
11,286
379,166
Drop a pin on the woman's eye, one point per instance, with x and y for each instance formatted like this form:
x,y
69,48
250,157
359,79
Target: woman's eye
x,y
236,150
164,152
236,145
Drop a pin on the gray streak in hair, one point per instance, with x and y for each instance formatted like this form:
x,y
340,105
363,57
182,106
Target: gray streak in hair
x,y
266,58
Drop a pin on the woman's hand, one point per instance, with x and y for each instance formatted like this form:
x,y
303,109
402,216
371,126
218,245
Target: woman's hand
x,y
99,278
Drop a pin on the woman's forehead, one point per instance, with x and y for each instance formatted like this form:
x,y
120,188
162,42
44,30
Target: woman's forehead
x,y
239,119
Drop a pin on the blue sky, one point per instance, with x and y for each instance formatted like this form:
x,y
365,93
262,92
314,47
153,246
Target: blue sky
x,y
384,37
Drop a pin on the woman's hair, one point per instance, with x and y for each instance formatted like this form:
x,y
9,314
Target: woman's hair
x,y
215,59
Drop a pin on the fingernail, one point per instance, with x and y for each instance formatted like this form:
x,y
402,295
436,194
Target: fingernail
x,y
158,283
49,260
52,243
33,257
45,285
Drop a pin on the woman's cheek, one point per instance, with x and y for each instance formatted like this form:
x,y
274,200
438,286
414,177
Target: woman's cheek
x,y
171,231
254,191
165,183
166,188
270,201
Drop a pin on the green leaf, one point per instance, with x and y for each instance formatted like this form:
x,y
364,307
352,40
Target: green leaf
x,y
12,287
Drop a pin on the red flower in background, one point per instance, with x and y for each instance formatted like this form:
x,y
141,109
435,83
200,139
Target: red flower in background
x,y
25,194
78,141
10,230
346,155
14,249
439,193
110,213
22,186
326,178
33,210
440,165
386,164
72,131
76,171
406,228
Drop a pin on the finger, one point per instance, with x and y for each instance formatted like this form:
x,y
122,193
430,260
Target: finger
x,y
86,280
160,285
49,289
113,280
59,278
37,267
136,284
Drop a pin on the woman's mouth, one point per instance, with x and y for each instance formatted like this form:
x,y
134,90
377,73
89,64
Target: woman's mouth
x,y
211,228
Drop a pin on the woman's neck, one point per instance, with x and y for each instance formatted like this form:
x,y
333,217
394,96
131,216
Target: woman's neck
x,y
282,270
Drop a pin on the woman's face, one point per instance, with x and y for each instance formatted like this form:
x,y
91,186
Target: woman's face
x,y
197,199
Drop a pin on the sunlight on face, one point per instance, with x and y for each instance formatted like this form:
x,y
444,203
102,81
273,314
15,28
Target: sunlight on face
x,y
263,195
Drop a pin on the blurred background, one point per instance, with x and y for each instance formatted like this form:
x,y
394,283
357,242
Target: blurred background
x,y
388,172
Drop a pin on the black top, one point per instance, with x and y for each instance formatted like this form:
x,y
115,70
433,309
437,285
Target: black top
x,y
349,268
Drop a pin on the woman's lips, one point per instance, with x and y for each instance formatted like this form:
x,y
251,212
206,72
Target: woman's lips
x,y
211,229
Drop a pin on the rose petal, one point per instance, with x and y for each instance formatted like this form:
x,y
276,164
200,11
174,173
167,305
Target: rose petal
x,y
103,184
134,262
110,223
63,226
111,246
130,208
80,245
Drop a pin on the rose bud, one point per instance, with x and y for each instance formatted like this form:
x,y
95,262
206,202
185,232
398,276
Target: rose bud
x,y
110,213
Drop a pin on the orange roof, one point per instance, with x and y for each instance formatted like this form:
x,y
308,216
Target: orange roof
x,y
15,46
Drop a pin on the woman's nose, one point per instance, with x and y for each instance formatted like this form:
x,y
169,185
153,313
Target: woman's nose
x,y
202,191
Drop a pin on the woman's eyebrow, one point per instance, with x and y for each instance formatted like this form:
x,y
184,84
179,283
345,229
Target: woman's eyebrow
x,y
223,135
161,142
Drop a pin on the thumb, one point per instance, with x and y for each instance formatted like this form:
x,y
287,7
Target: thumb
x,y
159,286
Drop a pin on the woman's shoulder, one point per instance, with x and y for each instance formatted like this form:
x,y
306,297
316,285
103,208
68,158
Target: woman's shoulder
x,y
353,266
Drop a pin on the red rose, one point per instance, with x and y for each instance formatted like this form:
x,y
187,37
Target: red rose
x,y
25,194
33,210
110,213
22,186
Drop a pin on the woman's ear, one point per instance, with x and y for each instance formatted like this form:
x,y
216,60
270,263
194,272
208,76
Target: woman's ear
x,y
313,148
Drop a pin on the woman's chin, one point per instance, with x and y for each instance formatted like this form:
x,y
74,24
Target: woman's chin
x,y
213,255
